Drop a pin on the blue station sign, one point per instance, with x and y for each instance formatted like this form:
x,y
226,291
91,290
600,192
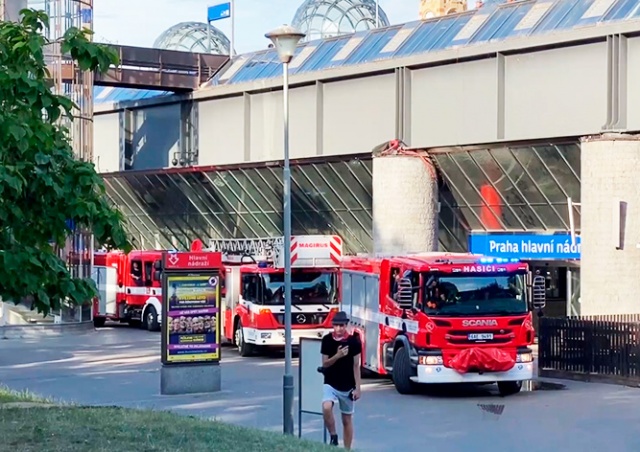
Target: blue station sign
x,y
525,246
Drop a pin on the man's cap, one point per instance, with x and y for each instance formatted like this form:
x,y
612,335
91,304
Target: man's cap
x,y
341,318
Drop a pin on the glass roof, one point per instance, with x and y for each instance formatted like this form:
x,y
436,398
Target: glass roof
x,y
163,208
327,198
506,21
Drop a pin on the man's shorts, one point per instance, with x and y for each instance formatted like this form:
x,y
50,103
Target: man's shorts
x,y
342,398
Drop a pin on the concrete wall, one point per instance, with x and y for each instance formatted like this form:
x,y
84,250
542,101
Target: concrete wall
x,y
335,118
405,205
10,9
106,142
610,264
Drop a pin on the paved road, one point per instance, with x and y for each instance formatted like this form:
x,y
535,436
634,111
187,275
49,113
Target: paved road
x,y
120,366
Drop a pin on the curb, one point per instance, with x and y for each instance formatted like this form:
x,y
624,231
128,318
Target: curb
x,y
36,331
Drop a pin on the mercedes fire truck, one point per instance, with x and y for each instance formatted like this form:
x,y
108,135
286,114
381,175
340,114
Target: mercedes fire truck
x,y
253,304
443,318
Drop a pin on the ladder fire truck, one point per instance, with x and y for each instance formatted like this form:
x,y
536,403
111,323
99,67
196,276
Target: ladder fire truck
x,y
129,289
253,305
443,318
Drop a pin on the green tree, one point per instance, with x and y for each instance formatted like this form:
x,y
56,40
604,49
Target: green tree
x,y
42,184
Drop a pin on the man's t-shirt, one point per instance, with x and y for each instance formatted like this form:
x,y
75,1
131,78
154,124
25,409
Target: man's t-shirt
x,y
340,375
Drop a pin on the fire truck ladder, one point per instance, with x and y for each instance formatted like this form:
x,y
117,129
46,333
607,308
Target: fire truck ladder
x,y
260,249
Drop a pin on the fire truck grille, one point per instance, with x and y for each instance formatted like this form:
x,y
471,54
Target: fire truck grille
x,y
303,318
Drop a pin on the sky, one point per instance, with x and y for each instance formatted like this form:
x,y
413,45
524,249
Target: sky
x,y
140,22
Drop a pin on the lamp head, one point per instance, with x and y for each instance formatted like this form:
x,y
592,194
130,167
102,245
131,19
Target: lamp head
x,y
285,39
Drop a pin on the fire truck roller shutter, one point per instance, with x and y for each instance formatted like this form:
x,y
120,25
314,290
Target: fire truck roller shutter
x,y
154,303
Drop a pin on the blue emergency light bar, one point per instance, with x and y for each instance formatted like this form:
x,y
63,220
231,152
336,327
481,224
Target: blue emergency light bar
x,y
497,260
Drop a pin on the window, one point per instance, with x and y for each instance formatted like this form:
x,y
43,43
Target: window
x,y
148,273
157,275
250,287
393,281
307,287
136,272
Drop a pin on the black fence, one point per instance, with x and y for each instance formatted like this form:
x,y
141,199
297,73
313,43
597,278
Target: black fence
x,y
590,348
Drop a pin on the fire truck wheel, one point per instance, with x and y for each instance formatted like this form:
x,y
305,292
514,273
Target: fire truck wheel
x,y
98,322
244,349
151,319
402,372
508,388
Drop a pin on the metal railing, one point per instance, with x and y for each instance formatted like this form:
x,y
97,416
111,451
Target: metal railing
x,y
593,348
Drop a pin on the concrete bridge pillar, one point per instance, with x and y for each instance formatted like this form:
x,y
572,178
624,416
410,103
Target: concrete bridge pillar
x,y
405,203
610,224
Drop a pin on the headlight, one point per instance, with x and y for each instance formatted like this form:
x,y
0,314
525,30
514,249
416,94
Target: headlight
x,y
430,360
524,358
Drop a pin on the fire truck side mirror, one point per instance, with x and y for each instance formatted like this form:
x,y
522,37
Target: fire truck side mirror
x,y
405,294
538,292
157,275
157,265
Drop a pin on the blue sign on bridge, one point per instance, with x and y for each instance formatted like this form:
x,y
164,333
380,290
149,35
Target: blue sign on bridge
x,y
525,246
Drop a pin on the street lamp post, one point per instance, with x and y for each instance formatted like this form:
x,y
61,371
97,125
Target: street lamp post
x,y
285,40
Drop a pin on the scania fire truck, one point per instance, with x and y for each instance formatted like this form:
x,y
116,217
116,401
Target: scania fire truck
x,y
253,305
443,318
129,288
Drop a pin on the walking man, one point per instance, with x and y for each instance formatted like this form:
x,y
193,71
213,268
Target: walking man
x,y
341,368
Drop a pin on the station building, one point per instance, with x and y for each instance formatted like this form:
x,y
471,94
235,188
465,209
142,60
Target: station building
x,y
526,111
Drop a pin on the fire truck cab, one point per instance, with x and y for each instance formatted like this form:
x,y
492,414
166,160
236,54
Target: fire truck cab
x,y
129,288
443,318
253,303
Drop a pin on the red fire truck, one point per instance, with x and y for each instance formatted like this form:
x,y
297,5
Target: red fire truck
x,y
253,305
129,288
443,318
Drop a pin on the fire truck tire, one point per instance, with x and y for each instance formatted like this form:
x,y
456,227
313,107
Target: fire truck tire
x,y
508,388
244,349
98,322
151,319
402,372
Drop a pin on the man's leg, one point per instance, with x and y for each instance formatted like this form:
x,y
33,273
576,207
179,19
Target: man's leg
x,y
328,400
347,407
347,423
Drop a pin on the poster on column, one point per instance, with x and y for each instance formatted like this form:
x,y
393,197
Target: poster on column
x,y
193,322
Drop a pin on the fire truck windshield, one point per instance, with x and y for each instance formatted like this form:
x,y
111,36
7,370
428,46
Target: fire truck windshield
x,y
474,295
307,287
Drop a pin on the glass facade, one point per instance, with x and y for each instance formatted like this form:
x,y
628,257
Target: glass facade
x,y
515,188
172,208
507,188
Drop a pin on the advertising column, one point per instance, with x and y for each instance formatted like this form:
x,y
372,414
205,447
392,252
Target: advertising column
x,y
190,323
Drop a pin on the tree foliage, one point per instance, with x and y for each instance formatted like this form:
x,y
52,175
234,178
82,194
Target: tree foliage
x,y
42,184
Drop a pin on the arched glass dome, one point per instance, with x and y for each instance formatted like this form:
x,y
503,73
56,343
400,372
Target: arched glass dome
x,y
325,18
192,37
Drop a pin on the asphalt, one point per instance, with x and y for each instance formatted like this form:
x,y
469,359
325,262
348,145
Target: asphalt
x,y
120,366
